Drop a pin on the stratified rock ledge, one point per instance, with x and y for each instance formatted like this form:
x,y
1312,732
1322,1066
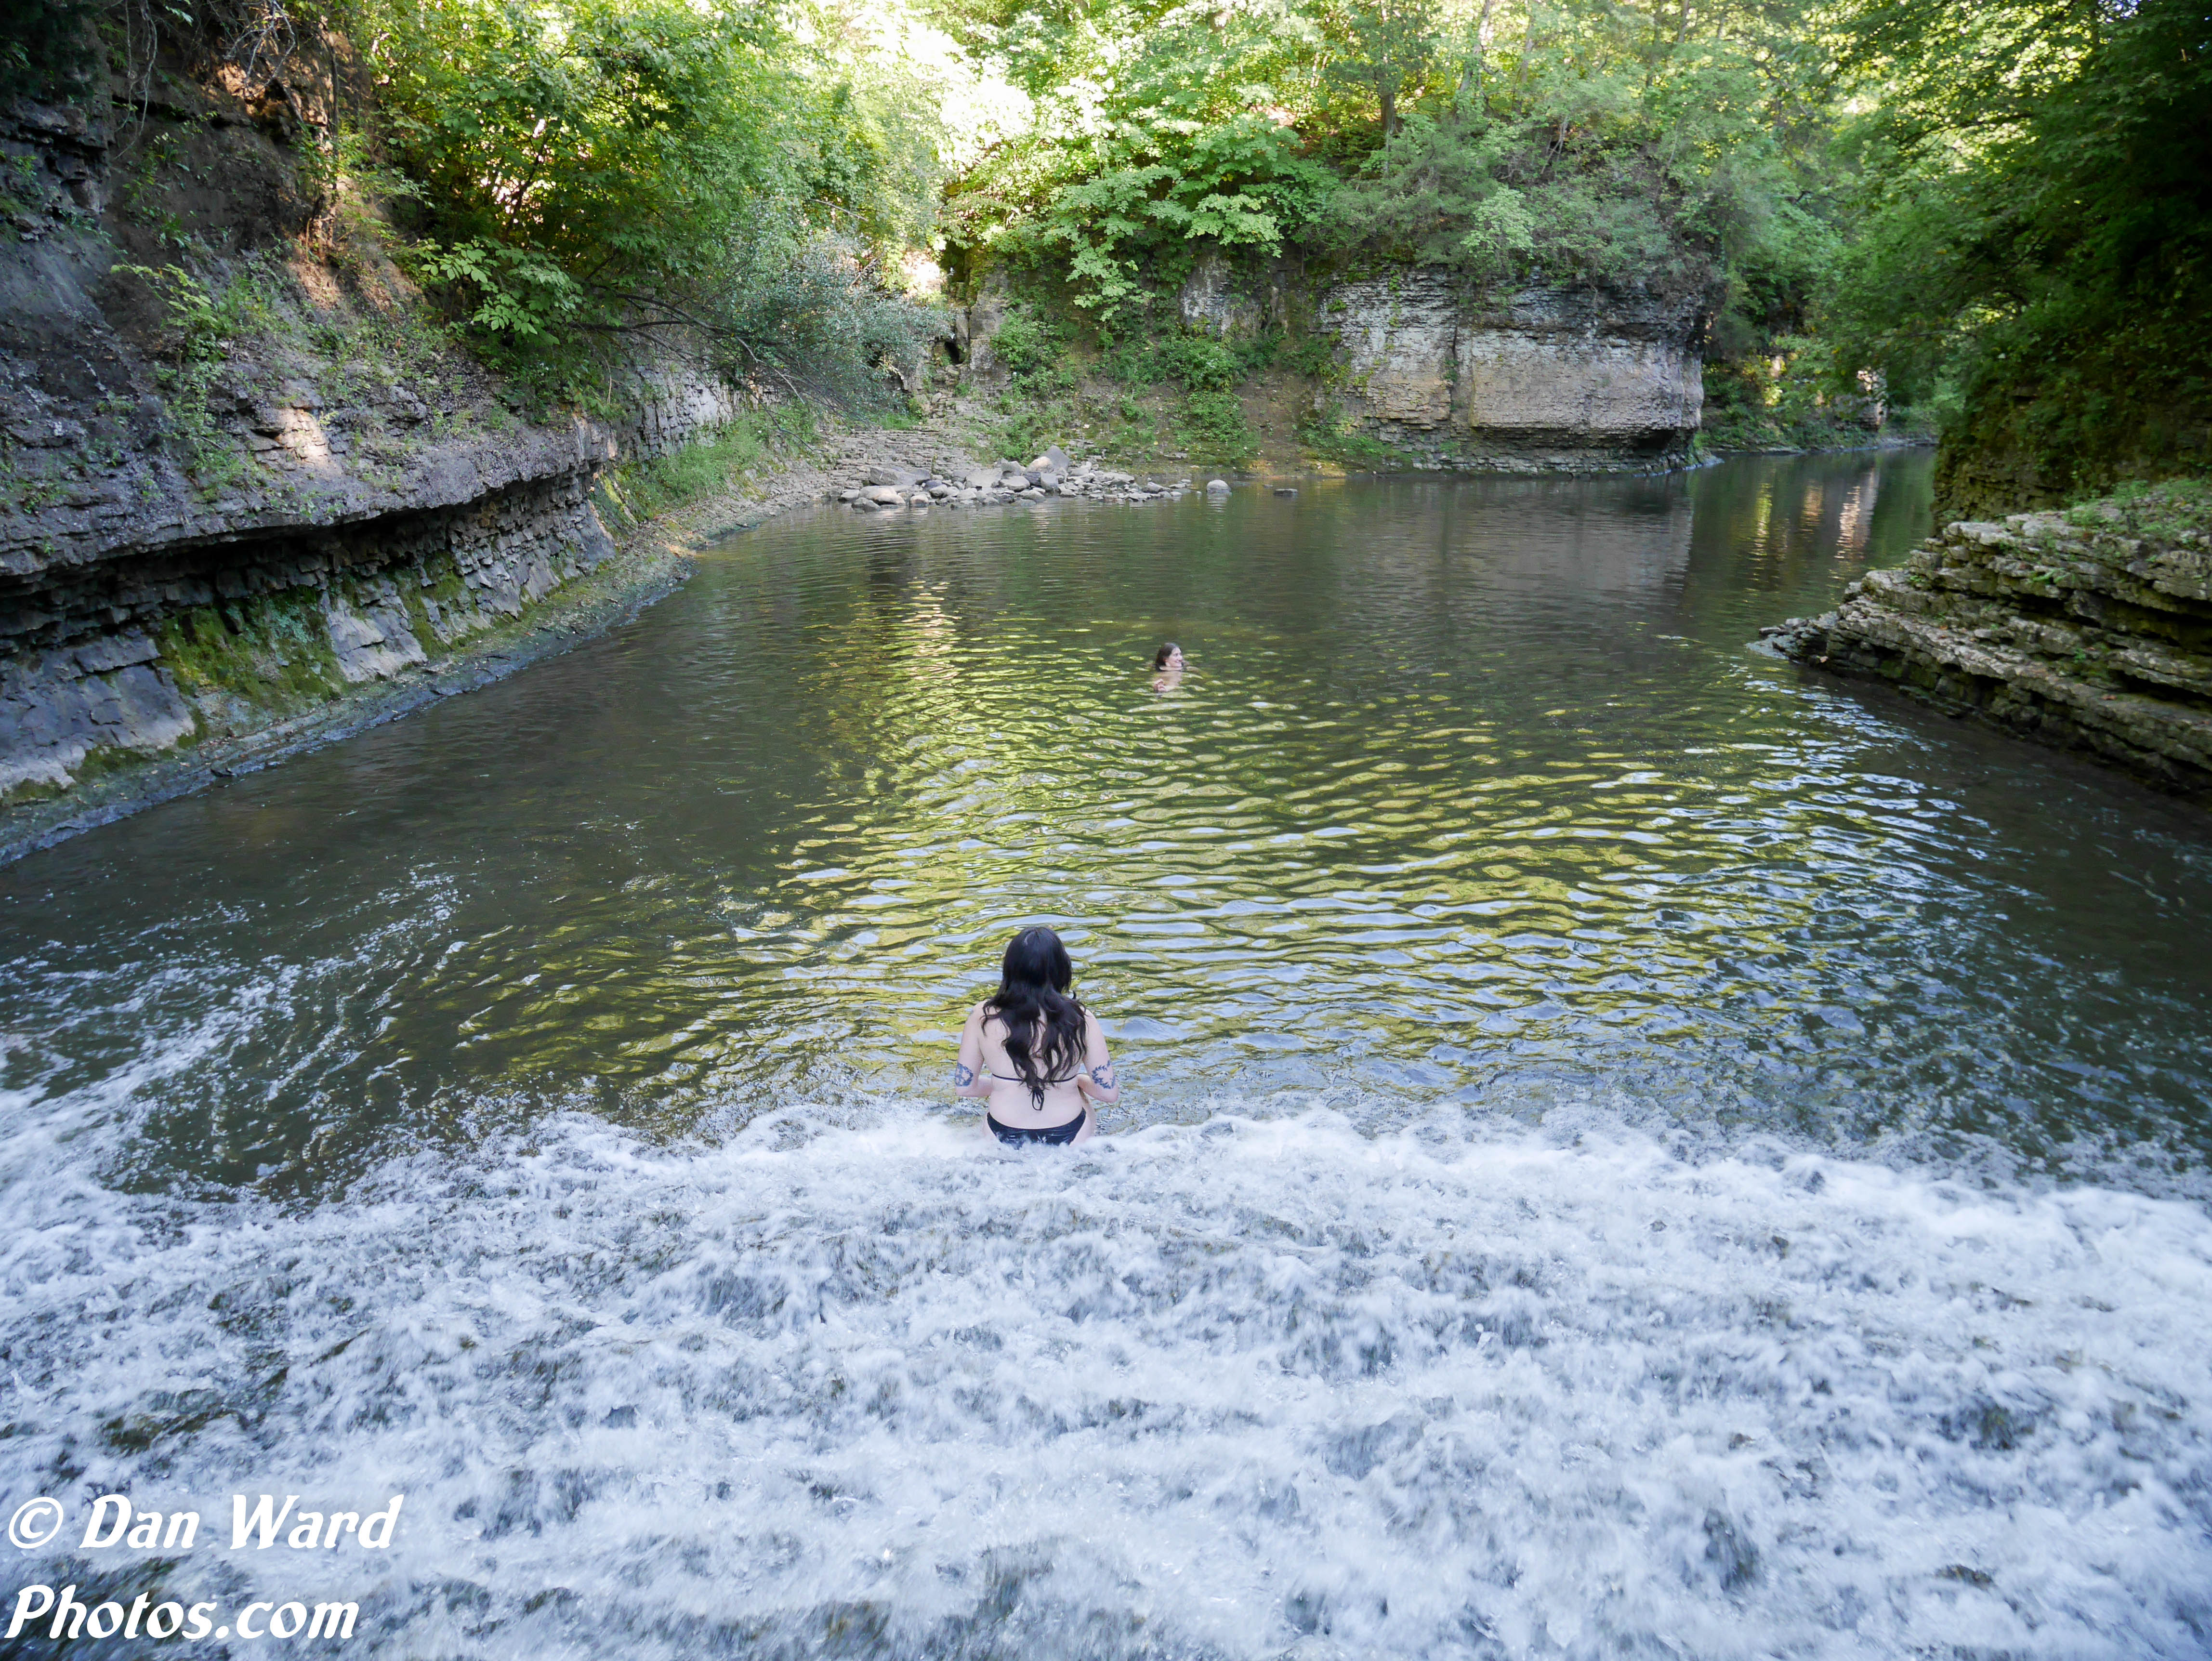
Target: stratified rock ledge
x,y
2089,629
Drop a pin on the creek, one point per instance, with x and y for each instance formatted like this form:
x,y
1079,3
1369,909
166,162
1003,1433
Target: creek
x,y
1627,1148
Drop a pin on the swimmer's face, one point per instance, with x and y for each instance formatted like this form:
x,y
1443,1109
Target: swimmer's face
x,y
1174,657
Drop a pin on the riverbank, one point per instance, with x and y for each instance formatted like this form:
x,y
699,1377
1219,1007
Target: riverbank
x,y
647,558
387,663
2085,629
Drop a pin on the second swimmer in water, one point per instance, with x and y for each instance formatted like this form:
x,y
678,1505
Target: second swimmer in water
x,y
1167,667
1032,1052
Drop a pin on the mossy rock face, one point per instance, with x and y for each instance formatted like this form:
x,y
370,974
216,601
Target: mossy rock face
x,y
608,501
273,650
440,608
2016,450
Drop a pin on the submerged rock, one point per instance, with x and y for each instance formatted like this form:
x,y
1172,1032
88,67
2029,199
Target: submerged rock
x,y
2089,629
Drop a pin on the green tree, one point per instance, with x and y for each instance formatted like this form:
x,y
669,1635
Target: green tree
x,y
1387,48
2037,237
1160,130
596,169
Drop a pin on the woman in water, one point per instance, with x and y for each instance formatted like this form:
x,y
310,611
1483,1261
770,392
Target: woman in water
x,y
1167,664
1032,1052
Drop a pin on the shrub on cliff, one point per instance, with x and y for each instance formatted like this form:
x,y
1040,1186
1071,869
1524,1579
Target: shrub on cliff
x,y
1582,143
1504,202
706,176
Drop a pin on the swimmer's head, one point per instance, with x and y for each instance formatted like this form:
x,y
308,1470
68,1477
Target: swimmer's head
x,y
1169,656
1034,961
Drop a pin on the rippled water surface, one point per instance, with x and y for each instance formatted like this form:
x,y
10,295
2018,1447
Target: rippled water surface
x,y
1627,1148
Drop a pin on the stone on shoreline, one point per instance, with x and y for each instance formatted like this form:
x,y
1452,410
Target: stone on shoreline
x,y
1052,473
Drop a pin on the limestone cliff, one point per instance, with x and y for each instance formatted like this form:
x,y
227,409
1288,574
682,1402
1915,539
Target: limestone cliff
x,y
234,486
1424,372
1541,380
1544,379
2089,629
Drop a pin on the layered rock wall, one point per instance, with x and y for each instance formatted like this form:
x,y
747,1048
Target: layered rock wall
x,y
235,489
178,641
2090,629
1545,380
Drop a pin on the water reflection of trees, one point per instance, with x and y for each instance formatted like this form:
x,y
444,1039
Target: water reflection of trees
x,y
1798,527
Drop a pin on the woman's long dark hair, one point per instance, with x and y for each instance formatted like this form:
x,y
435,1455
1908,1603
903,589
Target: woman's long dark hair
x,y
1044,1026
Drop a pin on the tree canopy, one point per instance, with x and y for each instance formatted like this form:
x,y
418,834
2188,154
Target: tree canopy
x,y
720,173
1993,209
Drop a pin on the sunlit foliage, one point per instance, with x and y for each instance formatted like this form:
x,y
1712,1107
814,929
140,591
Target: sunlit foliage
x,y
707,174
1583,142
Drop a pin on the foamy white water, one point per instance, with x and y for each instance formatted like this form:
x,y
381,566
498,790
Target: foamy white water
x,y
1222,1391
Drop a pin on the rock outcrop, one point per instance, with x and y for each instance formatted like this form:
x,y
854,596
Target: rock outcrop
x,y
2089,629
235,489
1545,380
155,642
1430,373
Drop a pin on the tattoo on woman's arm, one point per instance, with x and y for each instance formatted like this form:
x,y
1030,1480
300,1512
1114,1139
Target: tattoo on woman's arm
x,y
963,1076
1103,1076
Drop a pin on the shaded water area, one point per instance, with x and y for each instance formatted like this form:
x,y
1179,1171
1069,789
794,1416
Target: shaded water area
x,y
1627,1147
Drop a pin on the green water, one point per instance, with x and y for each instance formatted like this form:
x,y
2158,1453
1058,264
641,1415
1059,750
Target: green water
x,y
1472,794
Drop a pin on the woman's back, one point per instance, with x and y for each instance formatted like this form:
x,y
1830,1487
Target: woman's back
x,y
1012,1099
1032,1052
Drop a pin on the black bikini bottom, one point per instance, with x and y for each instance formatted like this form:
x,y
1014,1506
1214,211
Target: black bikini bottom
x,y
1015,1135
